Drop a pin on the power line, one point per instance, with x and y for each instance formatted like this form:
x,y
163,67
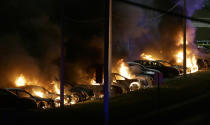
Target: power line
x,y
163,11
169,10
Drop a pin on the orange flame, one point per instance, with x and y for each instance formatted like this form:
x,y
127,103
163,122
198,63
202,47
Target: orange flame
x,y
191,62
93,82
147,57
39,94
124,69
20,81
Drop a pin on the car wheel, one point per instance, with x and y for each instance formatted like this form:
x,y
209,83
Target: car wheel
x,y
41,105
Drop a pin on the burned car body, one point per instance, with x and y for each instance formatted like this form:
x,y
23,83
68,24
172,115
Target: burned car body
x,y
46,94
42,103
94,91
12,101
82,93
166,69
128,84
142,72
202,63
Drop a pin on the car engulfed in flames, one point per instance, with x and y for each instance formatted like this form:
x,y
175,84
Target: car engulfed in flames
x,y
191,53
37,90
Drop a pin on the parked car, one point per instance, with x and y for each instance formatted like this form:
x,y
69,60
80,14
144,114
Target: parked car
x,y
46,94
42,103
12,101
83,93
91,92
165,68
128,84
140,71
202,63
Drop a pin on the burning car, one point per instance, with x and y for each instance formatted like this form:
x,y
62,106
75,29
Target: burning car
x,y
12,101
82,93
128,84
140,71
92,92
44,93
42,103
165,68
202,63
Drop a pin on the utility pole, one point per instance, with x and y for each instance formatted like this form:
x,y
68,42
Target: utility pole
x,y
107,58
184,38
62,57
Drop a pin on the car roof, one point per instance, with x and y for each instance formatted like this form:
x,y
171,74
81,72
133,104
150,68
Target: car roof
x,y
19,89
135,63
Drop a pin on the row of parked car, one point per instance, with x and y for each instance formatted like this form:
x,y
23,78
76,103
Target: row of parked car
x,y
24,97
146,74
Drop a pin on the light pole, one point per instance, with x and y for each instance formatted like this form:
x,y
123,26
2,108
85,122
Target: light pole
x,y
62,57
107,58
184,38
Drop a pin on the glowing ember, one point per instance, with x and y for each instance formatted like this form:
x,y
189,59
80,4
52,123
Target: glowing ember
x,y
20,81
39,94
147,57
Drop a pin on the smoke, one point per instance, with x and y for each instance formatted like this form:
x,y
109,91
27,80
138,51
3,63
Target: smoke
x,y
171,30
32,51
133,28
131,32
30,41
82,59
192,5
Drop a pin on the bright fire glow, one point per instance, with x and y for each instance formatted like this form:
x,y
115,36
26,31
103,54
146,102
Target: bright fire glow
x,y
57,90
65,100
93,82
20,81
124,69
180,39
147,57
39,94
56,87
191,62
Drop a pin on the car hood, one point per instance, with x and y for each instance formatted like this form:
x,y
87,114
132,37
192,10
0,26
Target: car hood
x,y
152,70
43,99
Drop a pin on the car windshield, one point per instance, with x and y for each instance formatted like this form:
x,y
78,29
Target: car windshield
x,y
119,77
136,69
23,94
